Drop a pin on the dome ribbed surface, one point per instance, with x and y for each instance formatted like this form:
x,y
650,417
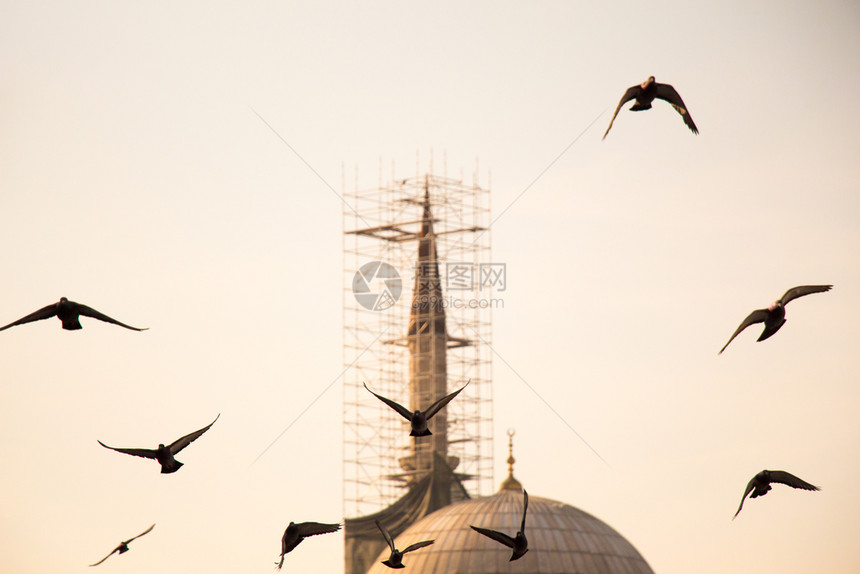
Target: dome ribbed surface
x,y
562,540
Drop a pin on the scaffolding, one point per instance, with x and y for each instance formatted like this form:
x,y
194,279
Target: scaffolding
x,y
382,225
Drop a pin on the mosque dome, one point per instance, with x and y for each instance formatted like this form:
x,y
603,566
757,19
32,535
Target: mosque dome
x,y
562,539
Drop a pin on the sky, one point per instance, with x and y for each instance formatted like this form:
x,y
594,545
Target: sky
x,y
137,176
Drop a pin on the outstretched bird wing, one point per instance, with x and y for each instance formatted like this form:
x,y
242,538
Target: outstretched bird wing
x,y
783,477
314,528
302,530
144,452
43,313
418,545
106,557
497,536
749,489
403,411
440,404
90,312
631,93
387,536
669,94
757,316
802,290
525,508
181,443
139,535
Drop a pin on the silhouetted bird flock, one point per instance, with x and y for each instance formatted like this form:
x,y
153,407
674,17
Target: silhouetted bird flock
x,y
773,317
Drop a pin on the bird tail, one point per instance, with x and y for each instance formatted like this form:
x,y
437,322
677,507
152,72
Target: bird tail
x,y
637,107
768,331
518,555
757,493
171,467
422,433
72,324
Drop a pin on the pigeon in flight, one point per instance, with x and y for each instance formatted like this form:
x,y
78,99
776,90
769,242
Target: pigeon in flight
x,y
395,560
774,316
419,419
760,484
68,312
164,454
295,533
123,546
519,543
645,93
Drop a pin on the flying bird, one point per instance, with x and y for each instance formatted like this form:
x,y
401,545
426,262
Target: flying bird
x,y
518,543
164,454
760,484
774,316
68,312
295,533
123,546
419,418
395,560
645,93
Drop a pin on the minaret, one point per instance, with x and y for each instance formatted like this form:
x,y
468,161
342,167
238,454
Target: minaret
x,y
427,470
427,340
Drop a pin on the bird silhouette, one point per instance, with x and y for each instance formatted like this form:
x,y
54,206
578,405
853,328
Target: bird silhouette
x,y
518,543
295,533
774,316
645,93
418,419
760,484
164,454
123,546
395,560
69,313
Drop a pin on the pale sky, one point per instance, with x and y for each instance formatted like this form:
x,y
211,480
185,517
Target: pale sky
x,y
135,177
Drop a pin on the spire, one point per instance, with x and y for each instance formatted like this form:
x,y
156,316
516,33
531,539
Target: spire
x,y
511,483
427,315
427,340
